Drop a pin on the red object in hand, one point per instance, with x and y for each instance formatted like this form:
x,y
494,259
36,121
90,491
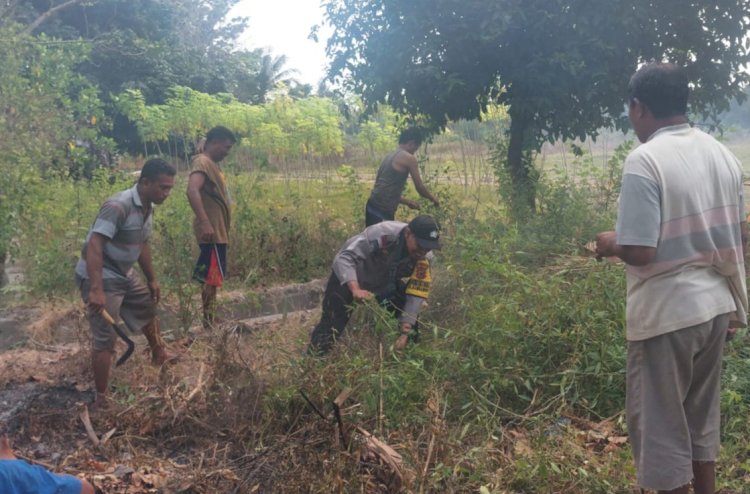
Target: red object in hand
x,y
215,275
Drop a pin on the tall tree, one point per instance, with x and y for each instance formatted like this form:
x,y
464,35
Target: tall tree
x,y
271,73
148,44
561,66
151,45
50,118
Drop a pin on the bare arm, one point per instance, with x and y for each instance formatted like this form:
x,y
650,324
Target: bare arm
x,y
6,453
743,235
357,292
409,162
195,184
408,202
146,264
144,261
94,267
87,488
635,255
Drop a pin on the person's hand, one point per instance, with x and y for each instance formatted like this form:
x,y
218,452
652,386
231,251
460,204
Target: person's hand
x,y
96,300
153,287
207,232
732,329
731,332
436,203
6,453
606,244
410,203
401,342
360,294
403,339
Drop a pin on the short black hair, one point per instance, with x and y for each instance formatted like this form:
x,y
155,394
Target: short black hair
x,y
155,167
662,87
220,133
411,134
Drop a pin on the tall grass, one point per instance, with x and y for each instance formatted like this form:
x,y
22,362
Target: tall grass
x,y
518,381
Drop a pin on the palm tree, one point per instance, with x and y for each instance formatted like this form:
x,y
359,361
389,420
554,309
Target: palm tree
x,y
271,74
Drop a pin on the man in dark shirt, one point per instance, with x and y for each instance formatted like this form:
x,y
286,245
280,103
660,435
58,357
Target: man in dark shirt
x,y
391,180
373,264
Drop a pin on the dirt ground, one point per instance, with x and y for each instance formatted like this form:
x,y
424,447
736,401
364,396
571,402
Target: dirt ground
x,y
171,429
227,417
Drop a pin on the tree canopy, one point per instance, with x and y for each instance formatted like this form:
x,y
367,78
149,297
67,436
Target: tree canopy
x,y
561,66
153,46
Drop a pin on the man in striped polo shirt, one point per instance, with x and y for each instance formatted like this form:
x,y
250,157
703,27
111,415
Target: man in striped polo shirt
x,y
116,241
681,231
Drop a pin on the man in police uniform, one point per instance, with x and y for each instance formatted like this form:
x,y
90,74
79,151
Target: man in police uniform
x,y
373,265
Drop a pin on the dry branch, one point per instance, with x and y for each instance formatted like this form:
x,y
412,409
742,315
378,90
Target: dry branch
x,y
87,425
374,447
106,437
437,426
312,405
35,461
342,397
49,13
337,402
198,386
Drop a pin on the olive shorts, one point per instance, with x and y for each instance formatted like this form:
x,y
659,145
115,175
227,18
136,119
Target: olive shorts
x,y
130,302
672,402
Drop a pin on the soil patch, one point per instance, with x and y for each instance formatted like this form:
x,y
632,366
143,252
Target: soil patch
x,y
199,425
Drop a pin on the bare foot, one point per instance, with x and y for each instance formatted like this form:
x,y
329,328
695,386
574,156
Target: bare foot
x,y
212,323
161,356
102,405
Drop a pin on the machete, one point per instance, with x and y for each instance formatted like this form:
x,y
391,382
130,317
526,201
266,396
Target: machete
x,y
131,346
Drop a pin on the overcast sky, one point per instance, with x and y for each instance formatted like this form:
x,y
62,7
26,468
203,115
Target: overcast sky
x,y
283,26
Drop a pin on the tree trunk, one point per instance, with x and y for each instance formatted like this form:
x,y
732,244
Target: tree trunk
x,y
523,197
3,276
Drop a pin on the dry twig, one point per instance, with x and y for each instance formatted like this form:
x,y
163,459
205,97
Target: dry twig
x,y
198,386
87,425
380,450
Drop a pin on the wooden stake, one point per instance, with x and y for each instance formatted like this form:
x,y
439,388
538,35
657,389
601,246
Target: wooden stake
x,y
380,404
340,399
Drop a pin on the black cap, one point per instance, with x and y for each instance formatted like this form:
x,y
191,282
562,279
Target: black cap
x,y
427,232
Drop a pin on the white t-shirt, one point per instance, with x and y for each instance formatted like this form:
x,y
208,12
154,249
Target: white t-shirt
x,y
682,193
